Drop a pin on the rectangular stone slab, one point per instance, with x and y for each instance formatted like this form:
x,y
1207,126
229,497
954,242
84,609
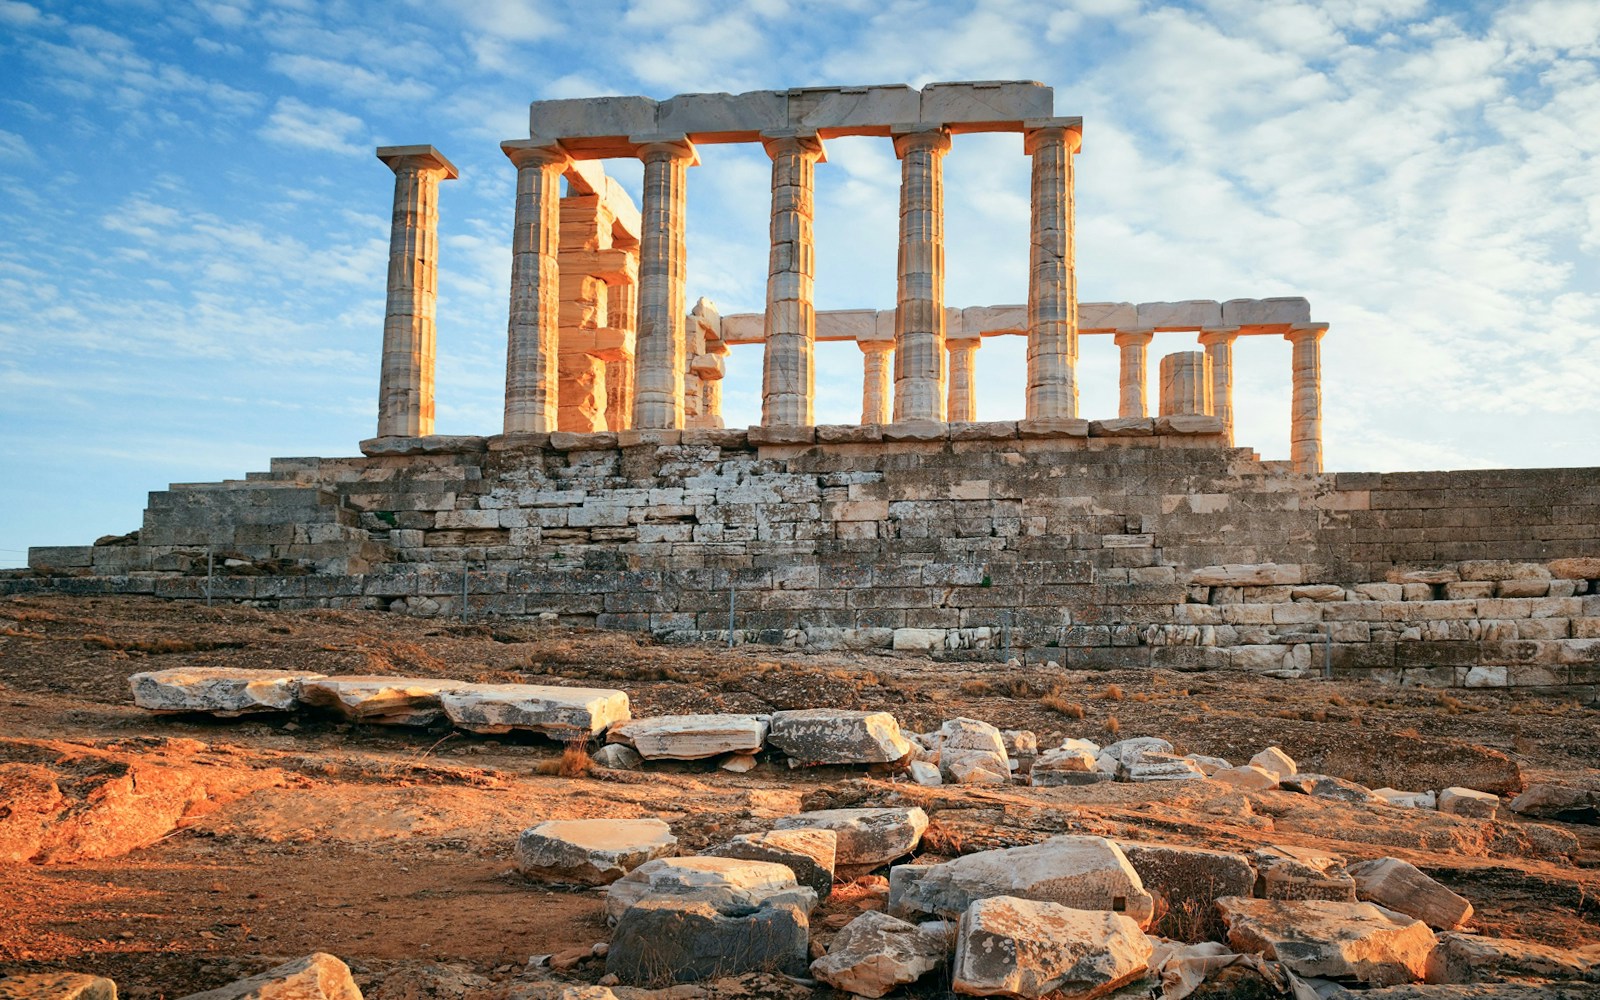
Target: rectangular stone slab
x,y
559,712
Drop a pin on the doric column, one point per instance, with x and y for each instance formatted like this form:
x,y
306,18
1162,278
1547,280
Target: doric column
x,y
1131,396
1052,275
788,374
533,331
1305,408
1186,384
875,380
624,305
919,302
405,380
1218,342
962,405
659,361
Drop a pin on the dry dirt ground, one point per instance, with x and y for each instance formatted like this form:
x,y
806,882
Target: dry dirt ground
x,y
174,854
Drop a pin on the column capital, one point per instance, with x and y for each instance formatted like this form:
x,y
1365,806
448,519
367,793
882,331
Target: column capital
x,y
1138,337
1218,335
794,140
535,153
909,138
1299,332
665,147
1038,130
875,346
422,157
961,342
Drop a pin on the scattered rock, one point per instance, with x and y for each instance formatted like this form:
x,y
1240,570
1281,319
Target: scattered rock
x,y
57,986
1133,750
1468,958
1190,880
665,940
970,734
866,836
1469,802
592,851
618,757
1028,948
1402,887
1558,802
558,712
1407,800
318,976
1248,777
808,853
924,773
1275,761
1209,765
393,701
1162,767
738,763
692,737
1088,873
836,736
1295,873
1020,742
1326,786
1064,759
875,953
1056,779
1314,937
223,691
973,767
726,883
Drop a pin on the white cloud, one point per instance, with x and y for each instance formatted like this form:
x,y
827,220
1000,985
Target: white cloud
x,y
346,78
15,148
296,123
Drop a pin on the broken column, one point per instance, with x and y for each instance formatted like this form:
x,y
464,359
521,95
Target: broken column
x,y
531,334
1131,393
1305,408
963,398
703,387
405,382
1218,342
876,384
659,362
788,374
919,301
1185,384
1052,278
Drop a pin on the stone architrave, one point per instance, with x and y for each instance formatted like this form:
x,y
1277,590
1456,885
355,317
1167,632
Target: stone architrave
x,y
1052,273
1185,384
1218,342
1131,394
919,302
1305,408
405,384
962,404
788,376
659,360
876,380
532,332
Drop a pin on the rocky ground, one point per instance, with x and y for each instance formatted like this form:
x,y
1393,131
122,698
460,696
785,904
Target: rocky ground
x,y
175,854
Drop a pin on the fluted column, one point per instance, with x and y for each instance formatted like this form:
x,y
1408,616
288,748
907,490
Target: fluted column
x,y
659,359
962,404
1305,408
405,380
1131,394
876,384
533,333
1218,342
623,301
788,374
1186,384
1052,275
919,302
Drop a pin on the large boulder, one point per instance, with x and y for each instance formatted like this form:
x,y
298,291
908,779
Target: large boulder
x,y
865,836
1468,958
318,976
222,691
393,701
1190,880
971,734
809,853
692,737
837,736
1247,777
1302,873
57,986
1086,873
726,883
1470,802
1314,937
973,767
875,953
1402,887
1028,948
684,939
1274,760
558,712
592,851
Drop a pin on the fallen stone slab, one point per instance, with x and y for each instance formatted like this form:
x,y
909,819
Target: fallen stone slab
x,y
1162,767
1468,958
1276,762
391,701
1247,777
1134,750
1086,873
837,736
1190,880
665,940
1326,786
865,836
1180,969
726,883
810,854
971,734
1314,937
591,851
876,953
691,737
1401,886
1059,779
558,712
924,773
1558,802
1295,873
1407,800
318,976
1029,948
57,986
1469,802
973,767
224,691
1063,759
1210,765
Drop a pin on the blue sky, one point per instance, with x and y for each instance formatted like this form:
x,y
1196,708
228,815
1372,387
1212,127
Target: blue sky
x,y
193,228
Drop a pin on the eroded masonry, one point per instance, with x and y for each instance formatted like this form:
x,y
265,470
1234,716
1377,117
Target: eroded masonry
x,y
614,496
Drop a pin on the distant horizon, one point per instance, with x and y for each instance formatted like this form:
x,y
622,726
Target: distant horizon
x,y
196,228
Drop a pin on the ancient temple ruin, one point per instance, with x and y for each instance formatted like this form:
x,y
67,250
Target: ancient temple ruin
x,y
614,496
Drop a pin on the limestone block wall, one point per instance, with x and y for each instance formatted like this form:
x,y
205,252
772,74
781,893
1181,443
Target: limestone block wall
x,y
1118,543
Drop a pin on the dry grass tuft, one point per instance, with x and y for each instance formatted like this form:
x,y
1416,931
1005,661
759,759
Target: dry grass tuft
x,y
1056,703
574,762
1111,693
942,840
157,645
1112,725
